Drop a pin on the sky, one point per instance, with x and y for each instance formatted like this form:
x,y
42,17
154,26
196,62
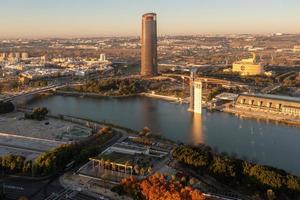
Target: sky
x,y
96,18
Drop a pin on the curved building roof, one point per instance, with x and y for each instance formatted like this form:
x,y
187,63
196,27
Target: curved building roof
x,y
147,14
274,97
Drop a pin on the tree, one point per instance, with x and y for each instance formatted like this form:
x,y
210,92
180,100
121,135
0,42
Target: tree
x,y
157,187
233,171
37,114
192,181
6,107
126,165
271,195
136,169
150,170
142,171
113,166
224,167
102,162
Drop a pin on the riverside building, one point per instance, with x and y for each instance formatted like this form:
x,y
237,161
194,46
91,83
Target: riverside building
x,y
273,104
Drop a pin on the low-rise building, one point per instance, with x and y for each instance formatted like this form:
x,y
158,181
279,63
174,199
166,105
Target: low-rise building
x,y
296,48
276,104
248,67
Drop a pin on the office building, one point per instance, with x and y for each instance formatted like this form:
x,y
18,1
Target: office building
x,y
149,45
196,94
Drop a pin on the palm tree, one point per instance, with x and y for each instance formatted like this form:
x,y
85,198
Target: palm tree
x,y
102,162
142,171
173,177
136,169
150,170
271,195
107,164
113,166
192,181
126,165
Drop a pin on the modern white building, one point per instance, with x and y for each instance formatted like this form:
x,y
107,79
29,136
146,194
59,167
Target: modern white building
x,y
198,97
196,94
102,57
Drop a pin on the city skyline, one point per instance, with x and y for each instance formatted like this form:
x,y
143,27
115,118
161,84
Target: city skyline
x,y
48,19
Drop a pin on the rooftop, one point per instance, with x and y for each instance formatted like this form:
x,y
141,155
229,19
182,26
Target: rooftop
x,y
147,14
275,97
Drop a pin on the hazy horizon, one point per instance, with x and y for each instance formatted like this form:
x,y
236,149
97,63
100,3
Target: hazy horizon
x,y
121,18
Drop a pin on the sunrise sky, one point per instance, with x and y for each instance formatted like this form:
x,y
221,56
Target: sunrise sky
x,y
92,18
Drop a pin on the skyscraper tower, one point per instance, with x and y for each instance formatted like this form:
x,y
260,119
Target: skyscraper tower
x,y
149,45
196,94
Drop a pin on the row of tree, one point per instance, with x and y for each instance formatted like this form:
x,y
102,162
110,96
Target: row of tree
x,y
6,107
235,171
15,164
123,86
57,159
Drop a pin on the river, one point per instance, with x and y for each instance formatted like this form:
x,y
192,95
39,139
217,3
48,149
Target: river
x,y
264,142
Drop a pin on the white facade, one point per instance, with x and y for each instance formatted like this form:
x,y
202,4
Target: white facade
x,y
198,97
102,58
24,55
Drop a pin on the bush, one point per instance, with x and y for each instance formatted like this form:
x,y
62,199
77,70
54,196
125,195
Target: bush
x,y
37,114
6,107
119,190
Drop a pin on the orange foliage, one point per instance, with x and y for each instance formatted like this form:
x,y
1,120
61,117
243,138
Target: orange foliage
x,y
157,187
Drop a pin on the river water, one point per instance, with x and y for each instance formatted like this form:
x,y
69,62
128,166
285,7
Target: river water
x,y
264,142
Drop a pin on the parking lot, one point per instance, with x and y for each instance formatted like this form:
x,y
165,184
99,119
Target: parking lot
x,y
52,129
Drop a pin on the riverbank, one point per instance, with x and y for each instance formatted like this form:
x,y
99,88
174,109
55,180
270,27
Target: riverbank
x,y
163,97
83,122
261,116
90,94
145,94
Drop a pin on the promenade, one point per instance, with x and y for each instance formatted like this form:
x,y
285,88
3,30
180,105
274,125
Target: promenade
x,y
262,115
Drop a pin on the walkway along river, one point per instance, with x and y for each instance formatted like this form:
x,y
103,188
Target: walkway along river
x,y
260,141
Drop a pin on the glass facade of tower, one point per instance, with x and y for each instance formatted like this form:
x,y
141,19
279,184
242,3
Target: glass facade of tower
x,y
149,45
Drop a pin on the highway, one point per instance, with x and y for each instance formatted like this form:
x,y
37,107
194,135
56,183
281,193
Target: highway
x,y
38,90
209,80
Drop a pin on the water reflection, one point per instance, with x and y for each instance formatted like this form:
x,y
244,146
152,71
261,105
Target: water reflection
x,y
148,116
197,129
